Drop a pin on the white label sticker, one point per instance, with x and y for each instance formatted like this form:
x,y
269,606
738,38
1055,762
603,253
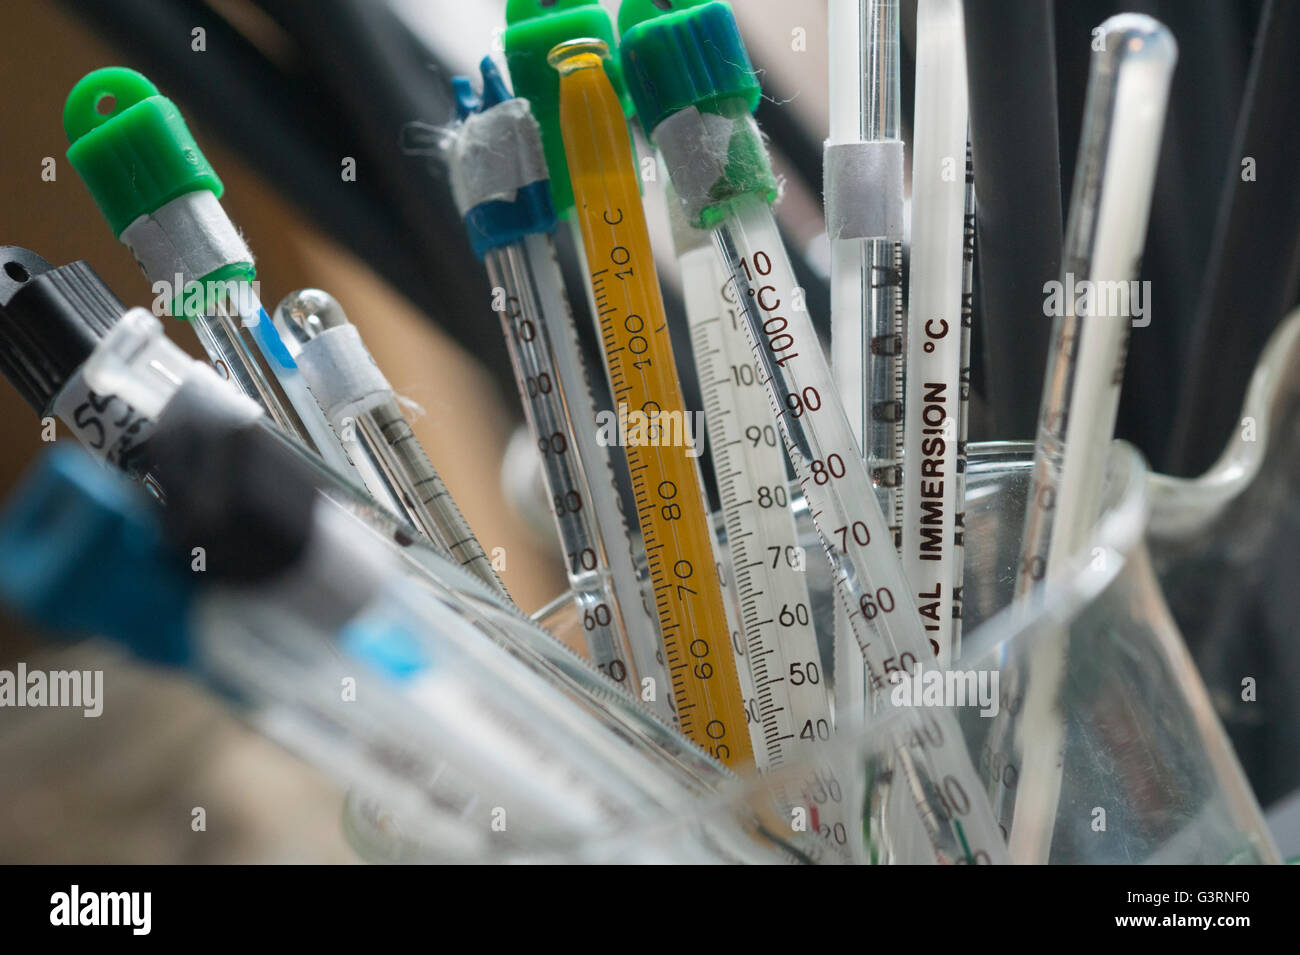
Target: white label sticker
x,y
106,426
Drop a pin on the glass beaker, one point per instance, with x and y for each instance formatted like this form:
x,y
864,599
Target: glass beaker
x,y
1146,772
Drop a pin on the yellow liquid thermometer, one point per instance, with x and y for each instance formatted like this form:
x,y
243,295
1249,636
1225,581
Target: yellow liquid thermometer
x,y
670,502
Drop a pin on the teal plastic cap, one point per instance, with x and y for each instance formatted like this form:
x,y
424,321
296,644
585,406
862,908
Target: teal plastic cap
x,y
131,147
681,53
533,29
81,552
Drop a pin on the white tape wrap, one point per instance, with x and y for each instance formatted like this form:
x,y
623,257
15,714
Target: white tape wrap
x,y
105,425
696,148
863,184
686,238
190,236
341,374
495,154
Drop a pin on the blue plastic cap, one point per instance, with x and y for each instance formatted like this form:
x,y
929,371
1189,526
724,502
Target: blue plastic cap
x,y
494,224
467,101
81,552
494,85
494,90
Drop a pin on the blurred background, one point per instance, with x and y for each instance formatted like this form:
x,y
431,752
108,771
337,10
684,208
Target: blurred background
x,y
281,92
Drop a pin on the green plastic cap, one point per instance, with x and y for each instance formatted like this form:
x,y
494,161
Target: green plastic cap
x,y
533,29
681,53
131,147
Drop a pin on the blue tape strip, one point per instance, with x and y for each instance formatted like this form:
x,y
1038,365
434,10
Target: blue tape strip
x,y
386,646
269,339
494,224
